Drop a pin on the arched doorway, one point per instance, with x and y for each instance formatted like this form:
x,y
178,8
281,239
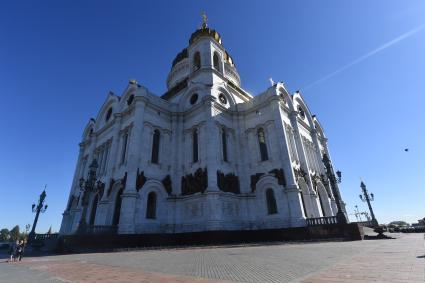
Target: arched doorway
x,y
151,206
322,208
117,209
324,200
305,198
271,202
93,210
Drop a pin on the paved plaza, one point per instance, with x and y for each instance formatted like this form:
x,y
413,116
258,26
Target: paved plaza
x,y
398,260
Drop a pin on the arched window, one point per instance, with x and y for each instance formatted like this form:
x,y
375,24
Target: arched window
x,y
262,144
271,202
197,61
216,60
117,210
108,114
224,144
193,98
151,206
124,146
195,145
94,209
130,100
155,146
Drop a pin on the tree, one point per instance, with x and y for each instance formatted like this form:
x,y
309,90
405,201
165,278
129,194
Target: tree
x,y
4,235
50,230
14,233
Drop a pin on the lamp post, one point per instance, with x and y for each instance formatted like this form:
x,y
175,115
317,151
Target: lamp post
x,y
357,213
37,209
366,197
87,187
366,215
340,216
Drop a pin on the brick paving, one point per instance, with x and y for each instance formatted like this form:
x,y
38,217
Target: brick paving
x,y
399,260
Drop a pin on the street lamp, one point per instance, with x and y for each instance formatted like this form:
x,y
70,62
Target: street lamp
x,y
38,208
339,175
366,197
366,215
87,187
357,213
340,216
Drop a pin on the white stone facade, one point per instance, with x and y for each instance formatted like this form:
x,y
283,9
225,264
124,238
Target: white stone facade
x,y
204,156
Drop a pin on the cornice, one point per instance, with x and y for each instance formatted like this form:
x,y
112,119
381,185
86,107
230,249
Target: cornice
x,y
153,127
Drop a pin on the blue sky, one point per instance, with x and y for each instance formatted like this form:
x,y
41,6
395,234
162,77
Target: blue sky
x,y
59,59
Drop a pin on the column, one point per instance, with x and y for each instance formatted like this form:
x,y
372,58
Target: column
x,y
210,134
177,147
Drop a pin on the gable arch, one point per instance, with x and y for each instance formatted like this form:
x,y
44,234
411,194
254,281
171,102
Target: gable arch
x,y
184,101
111,101
134,91
287,97
89,128
318,127
230,98
267,181
153,186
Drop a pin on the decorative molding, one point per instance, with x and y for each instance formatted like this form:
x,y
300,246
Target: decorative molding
x,y
152,126
278,174
299,173
196,126
112,183
315,178
167,184
195,183
254,180
263,125
228,182
140,179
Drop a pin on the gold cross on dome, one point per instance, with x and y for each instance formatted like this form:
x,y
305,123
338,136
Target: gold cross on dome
x,y
204,19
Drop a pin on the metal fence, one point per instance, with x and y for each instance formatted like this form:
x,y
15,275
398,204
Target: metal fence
x,y
322,221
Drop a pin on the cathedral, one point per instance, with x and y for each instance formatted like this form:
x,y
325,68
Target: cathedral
x,y
204,156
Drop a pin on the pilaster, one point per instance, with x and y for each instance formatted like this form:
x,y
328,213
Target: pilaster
x,y
130,195
313,210
210,136
297,217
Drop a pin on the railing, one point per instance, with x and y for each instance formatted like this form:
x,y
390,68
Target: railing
x,y
102,230
322,221
42,237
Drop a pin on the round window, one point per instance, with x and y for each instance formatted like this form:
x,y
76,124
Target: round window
x,y
193,98
222,99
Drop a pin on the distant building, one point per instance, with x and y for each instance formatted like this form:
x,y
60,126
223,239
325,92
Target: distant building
x,y
206,155
421,223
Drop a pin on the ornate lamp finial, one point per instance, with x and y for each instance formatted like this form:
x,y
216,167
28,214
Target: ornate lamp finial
x,y
204,20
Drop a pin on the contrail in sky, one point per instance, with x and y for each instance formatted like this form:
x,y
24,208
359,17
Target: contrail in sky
x,y
367,55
